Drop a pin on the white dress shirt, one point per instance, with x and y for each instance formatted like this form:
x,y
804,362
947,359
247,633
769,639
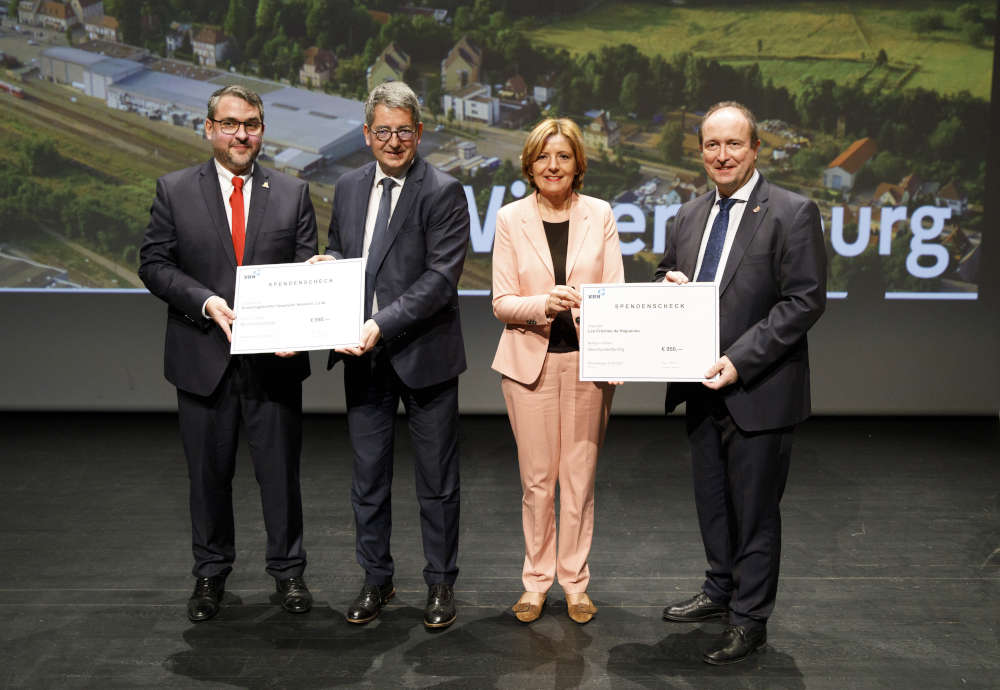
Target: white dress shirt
x,y
226,185
374,197
740,196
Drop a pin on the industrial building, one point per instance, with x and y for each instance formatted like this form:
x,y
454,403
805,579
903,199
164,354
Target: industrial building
x,y
312,126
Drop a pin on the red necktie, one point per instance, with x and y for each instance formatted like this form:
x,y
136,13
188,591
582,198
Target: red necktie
x,y
239,223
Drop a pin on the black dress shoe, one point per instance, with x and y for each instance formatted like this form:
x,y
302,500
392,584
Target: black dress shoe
x,y
737,643
295,595
369,602
697,608
204,601
440,609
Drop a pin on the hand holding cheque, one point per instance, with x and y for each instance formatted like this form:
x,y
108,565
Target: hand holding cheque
x,y
721,374
314,305
370,332
651,332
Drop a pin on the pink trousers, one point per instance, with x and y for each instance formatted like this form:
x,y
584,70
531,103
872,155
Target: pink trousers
x,y
559,424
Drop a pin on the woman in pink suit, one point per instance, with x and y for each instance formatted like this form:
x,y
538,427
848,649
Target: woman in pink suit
x,y
546,245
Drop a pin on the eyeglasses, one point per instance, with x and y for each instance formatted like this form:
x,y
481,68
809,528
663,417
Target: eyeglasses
x,y
385,134
251,127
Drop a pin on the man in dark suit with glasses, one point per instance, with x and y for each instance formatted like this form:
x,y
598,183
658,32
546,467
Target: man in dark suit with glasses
x,y
410,223
204,222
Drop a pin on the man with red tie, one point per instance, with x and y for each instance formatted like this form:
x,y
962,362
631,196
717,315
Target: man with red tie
x,y
204,222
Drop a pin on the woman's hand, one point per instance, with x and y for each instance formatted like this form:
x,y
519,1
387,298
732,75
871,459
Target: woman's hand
x,y
561,298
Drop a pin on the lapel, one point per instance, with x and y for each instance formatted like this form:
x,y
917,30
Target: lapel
x,y
534,231
212,195
690,243
353,232
259,196
411,191
579,226
748,227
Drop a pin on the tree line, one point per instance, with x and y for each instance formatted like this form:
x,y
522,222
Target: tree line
x,y
40,189
912,127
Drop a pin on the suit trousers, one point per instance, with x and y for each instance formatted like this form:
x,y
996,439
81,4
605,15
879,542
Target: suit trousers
x,y
373,392
272,415
739,478
558,423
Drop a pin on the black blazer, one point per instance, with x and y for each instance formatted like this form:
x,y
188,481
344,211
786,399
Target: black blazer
x,y
187,256
414,269
773,289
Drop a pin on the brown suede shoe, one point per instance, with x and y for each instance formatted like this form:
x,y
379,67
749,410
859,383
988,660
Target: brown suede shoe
x,y
581,608
529,607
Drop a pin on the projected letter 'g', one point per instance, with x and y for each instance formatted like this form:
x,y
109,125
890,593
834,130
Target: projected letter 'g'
x,y
919,246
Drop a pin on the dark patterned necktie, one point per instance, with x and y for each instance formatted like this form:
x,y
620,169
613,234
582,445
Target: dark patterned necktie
x,y
379,230
716,240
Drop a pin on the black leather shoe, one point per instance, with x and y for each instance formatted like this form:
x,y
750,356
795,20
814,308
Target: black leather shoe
x,y
205,600
295,595
697,608
440,609
737,643
369,602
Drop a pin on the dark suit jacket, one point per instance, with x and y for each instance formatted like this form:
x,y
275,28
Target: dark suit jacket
x,y
772,290
187,256
413,269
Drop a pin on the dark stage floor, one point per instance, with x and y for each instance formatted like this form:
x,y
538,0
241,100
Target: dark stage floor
x,y
890,570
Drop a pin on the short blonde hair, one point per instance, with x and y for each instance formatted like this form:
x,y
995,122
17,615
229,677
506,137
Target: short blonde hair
x,y
536,142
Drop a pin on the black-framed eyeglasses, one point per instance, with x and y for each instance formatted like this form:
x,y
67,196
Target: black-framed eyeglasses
x,y
229,126
404,133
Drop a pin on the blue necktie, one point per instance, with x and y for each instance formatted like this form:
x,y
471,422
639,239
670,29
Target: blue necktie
x,y
378,233
716,240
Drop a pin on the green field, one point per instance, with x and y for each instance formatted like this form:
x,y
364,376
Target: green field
x,y
112,157
822,40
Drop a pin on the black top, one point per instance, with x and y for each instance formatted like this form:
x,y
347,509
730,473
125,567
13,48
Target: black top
x,y
562,337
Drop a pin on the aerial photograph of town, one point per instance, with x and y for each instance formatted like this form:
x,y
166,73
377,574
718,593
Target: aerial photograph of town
x,y
876,110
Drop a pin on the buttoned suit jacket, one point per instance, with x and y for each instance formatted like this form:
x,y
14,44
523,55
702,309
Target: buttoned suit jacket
x,y
773,289
187,256
523,275
413,268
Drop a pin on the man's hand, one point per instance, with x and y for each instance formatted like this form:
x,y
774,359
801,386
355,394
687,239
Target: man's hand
x,y
675,277
320,257
370,334
219,311
726,371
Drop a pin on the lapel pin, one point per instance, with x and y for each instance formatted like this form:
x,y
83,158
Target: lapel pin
x,y
267,185
755,208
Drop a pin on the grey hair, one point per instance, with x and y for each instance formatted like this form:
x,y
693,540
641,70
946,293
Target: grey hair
x,y
241,92
745,111
392,94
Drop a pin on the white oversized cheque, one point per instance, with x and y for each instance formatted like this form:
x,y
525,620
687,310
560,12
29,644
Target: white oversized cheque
x,y
299,306
648,331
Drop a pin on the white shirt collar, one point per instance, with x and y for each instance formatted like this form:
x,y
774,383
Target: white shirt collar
x,y
743,193
380,175
227,176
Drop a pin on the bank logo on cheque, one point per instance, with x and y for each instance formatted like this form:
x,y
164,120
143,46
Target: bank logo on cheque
x,y
597,293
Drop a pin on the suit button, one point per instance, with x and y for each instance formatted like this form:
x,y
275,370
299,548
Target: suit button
x,y
578,320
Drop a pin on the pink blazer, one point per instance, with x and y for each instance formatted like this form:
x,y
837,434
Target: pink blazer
x,y
523,275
